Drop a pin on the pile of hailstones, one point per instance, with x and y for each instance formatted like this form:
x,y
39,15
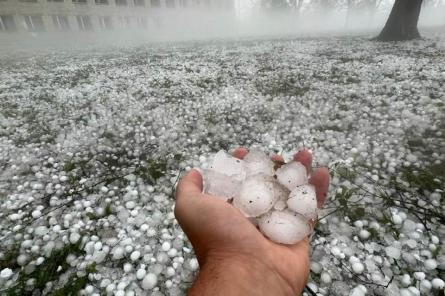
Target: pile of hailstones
x,y
280,202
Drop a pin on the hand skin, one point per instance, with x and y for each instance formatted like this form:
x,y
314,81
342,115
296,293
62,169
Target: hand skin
x,y
234,257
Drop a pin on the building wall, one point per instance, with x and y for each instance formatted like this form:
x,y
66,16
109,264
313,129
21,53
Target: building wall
x,y
24,12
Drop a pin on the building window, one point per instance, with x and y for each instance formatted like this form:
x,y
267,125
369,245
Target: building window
x,y
80,1
55,0
105,22
101,2
7,23
170,3
121,2
142,22
34,1
139,3
84,22
34,23
61,22
155,3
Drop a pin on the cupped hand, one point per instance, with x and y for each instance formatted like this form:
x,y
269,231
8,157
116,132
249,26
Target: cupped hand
x,y
216,229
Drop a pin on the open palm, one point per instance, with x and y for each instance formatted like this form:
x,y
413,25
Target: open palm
x,y
217,229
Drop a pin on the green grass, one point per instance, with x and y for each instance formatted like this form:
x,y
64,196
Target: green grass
x,y
9,257
47,272
72,287
152,171
403,190
75,283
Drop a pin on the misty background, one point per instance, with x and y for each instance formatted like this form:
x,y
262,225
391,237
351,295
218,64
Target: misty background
x,y
248,19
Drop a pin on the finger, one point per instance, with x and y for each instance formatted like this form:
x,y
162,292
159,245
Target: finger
x,y
305,157
189,186
278,161
277,158
240,152
320,179
187,191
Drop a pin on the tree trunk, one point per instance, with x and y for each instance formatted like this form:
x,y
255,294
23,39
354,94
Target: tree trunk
x,y
402,22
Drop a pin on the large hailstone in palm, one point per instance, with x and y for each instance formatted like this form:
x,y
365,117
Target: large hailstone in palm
x,y
284,227
224,176
303,201
292,174
257,196
228,165
257,162
281,203
220,185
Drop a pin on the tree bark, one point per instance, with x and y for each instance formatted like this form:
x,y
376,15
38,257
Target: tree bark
x,y
402,22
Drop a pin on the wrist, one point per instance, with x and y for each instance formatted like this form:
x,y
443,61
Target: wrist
x,y
239,274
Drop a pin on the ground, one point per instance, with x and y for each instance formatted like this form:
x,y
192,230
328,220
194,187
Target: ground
x,y
92,144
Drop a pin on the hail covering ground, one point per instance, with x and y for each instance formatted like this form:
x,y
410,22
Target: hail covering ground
x,y
92,143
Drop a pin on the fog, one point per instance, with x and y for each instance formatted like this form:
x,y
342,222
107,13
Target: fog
x,y
244,21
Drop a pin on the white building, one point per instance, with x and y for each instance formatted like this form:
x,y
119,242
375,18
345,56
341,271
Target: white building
x,y
94,15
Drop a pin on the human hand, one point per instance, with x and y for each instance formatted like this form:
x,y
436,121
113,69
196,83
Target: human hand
x,y
232,253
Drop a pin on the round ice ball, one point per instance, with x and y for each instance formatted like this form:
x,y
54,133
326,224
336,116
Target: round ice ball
x,y
256,196
292,174
149,282
438,283
6,273
303,200
284,227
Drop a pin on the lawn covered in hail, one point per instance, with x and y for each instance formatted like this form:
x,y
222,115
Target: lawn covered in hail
x,y
92,143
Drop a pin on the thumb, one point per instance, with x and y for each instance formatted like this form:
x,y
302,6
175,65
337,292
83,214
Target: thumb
x,y
189,186
188,192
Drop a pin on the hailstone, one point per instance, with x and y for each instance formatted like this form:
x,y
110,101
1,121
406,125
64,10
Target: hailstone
x,y
6,273
257,162
284,227
256,196
220,185
228,166
292,174
224,176
302,200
